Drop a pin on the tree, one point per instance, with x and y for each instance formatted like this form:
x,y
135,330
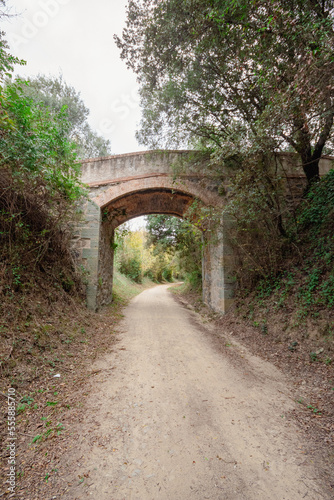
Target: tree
x,y
7,62
40,185
231,74
35,147
176,237
55,94
39,179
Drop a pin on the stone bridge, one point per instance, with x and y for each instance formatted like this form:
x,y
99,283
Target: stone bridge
x,y
126,186
130,185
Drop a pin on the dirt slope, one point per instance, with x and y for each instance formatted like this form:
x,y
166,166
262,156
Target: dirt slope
x,y
170,417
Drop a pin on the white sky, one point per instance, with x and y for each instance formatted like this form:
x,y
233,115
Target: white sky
x,y
75,38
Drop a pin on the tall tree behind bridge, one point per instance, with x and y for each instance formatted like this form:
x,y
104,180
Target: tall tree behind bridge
x,y
54,93
235,76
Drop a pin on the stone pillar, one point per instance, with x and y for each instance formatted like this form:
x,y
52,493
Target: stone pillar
x,y
106,264
90,244
206,271
218,282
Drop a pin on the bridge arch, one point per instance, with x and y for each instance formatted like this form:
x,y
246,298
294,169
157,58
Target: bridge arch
x,y
126,186
145,202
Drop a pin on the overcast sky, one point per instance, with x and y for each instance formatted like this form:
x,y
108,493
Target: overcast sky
x,y
75,38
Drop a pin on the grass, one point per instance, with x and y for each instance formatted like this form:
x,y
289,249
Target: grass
x,y
124,289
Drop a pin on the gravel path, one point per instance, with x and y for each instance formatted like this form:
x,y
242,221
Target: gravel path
x,y
170,417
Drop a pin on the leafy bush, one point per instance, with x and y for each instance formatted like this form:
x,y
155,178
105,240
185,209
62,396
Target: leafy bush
x,y
131,267
167,274
135,259
307,272
317,210
259,234
54,93
194,280
39,189
34,146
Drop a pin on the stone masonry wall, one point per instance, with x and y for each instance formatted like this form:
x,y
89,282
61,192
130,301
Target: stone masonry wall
x,y
106,264
87,249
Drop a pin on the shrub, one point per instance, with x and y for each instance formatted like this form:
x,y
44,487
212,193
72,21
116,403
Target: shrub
x,y
131,267
39,189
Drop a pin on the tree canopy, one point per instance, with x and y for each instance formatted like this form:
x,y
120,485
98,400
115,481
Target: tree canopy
x,y
56,95
177,237
234,74
169,233
7,63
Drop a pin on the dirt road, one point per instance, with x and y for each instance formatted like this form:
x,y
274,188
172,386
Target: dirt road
x,y
170,417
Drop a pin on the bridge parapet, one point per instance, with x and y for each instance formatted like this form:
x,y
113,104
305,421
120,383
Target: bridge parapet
x,y
117,167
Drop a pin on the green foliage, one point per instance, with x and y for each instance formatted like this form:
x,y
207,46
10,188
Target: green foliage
x,y
224,74
168,249
313,357
7,63
261,226
168,231
316,211
307,272
58,97
315,223
167,274
39,188
314,409
7,60
131,267
37,145
194,279
178,238
128,255
243,81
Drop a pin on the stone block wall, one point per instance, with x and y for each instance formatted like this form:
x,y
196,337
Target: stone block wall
x,y
86,246
106,264
217,270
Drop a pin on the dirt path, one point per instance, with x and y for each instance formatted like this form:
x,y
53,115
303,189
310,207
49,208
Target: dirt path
x,y
171,418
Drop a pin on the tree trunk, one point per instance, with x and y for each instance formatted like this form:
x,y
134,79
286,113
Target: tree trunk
x,y
311,167
311,160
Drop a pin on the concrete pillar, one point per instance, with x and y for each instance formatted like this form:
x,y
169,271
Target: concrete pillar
x,y
218,282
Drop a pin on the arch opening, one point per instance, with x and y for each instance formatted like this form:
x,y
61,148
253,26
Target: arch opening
x,y
146,202
126,207
161,248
